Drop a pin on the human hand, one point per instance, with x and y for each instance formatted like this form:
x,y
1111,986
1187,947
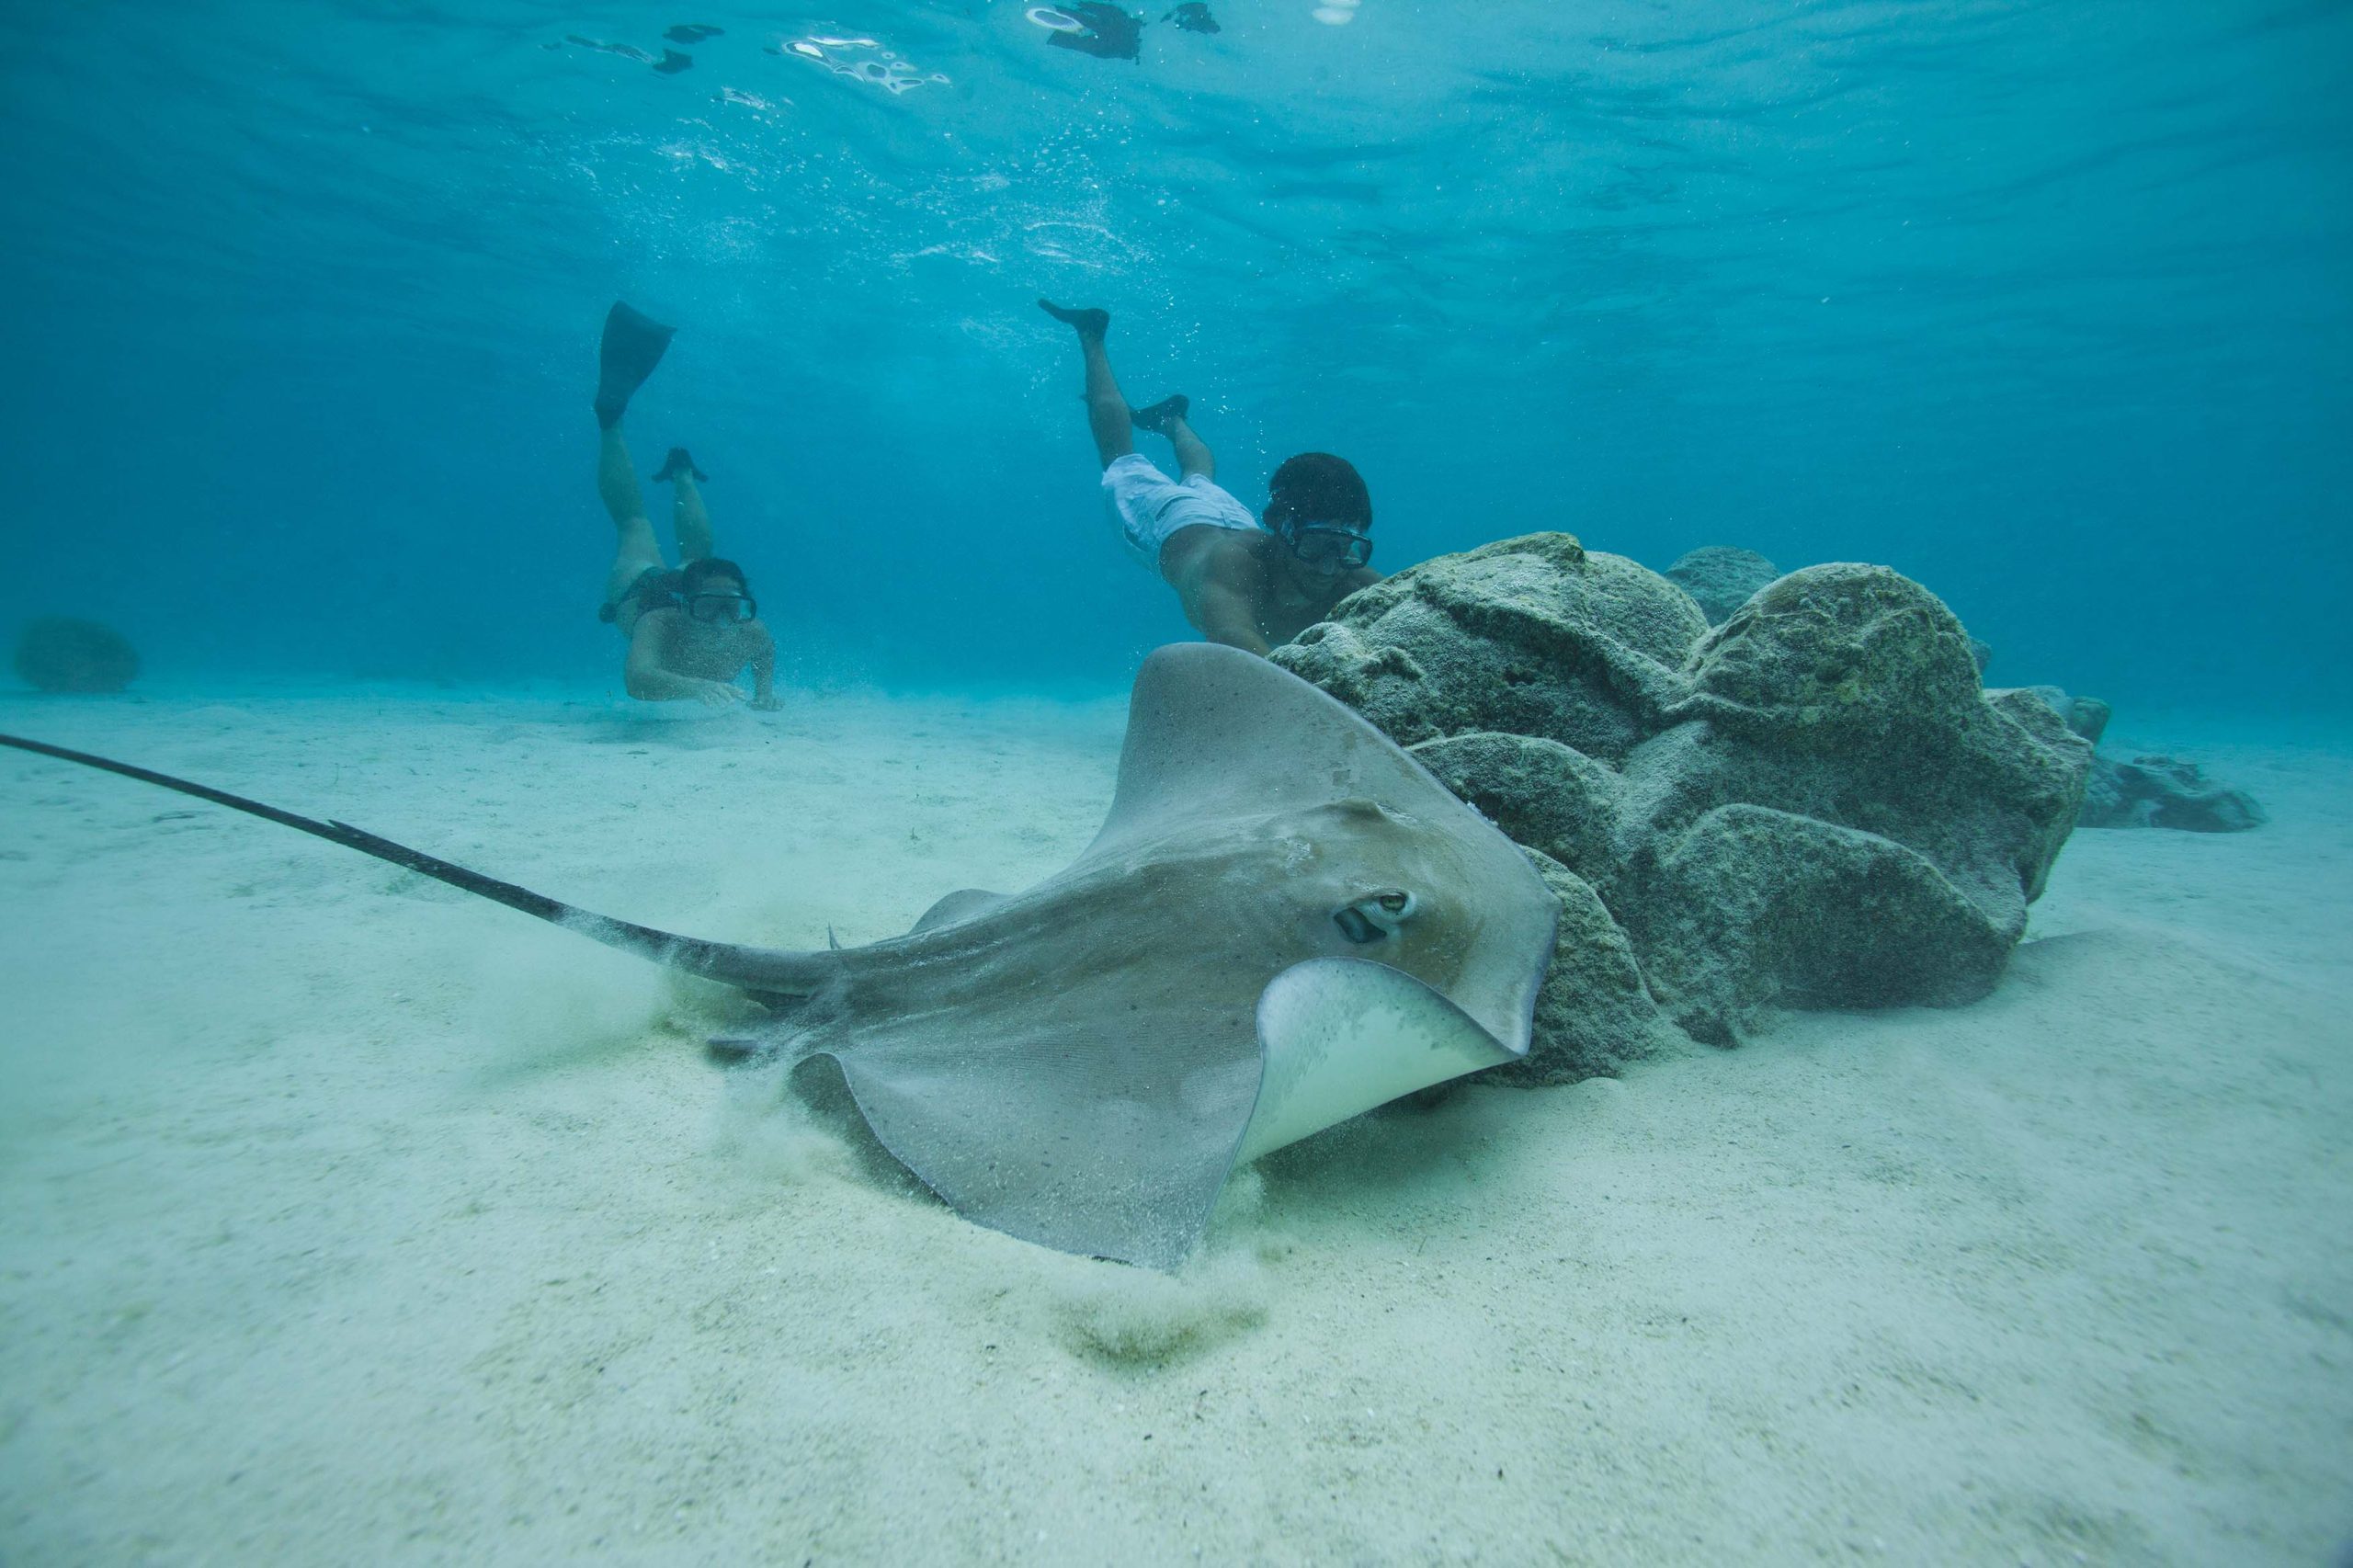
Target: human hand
x,y
718,694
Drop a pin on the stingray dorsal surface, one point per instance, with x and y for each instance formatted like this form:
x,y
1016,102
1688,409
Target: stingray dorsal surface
x,y
1215,734
1082,1063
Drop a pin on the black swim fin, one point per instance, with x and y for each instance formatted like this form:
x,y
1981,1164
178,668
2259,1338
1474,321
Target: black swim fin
x,y
1175,405
1090,323
676,464
632,345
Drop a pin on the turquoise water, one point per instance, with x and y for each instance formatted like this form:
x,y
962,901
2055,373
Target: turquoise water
x,y
345,1218
2043,305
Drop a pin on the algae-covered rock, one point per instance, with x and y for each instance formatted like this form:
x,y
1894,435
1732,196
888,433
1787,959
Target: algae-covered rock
x,y
1533,636
2166,791
1834,655
1594,1014
2148,791
1753,907
1721,577
1548,798
2087,716
60,653
1814,804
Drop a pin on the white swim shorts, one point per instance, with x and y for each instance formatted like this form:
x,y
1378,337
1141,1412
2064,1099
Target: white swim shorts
x,y
1149,506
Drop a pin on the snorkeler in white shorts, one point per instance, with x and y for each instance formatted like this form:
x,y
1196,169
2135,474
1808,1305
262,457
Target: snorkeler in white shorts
x,y
1248,583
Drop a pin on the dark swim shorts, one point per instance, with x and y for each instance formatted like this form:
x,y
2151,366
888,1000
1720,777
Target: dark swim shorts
x,y
656,588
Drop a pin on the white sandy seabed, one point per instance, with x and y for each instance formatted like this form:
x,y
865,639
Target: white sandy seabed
x,y
346,1219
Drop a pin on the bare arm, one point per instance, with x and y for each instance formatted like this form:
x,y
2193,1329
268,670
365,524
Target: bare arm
x,y
645,677
1225,616
1219,583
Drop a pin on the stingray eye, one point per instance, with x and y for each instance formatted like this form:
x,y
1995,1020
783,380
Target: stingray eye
x,y
1374,917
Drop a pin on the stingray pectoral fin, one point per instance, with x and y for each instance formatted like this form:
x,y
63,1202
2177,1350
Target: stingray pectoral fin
x,y
1341,1035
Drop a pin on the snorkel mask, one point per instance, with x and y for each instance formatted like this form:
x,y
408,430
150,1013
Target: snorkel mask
x,y
722,608
1326,547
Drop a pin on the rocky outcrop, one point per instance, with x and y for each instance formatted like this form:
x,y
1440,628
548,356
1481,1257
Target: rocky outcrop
x,y
2166,791
2087,716
2149,791
1532,636
1720,577
1594,1014
1811,804
62,655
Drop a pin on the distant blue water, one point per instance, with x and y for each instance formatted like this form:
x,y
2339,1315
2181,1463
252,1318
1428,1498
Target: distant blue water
x,y
2046,305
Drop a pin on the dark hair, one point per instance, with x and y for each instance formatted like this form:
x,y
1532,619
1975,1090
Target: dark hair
x,y
696,572
1316,487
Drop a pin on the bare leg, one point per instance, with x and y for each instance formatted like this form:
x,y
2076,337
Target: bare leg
x,y
1106,405
635,548
687,515
1193,454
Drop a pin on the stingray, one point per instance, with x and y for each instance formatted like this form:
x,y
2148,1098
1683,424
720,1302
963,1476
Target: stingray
x,y
1284,922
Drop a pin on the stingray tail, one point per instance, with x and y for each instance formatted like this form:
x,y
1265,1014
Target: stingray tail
x,y
765,972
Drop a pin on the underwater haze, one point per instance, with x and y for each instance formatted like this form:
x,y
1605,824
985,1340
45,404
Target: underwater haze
x,y
1839,1110
2043,304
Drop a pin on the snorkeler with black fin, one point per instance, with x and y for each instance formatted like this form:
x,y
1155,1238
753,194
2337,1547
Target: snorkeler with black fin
x,y
692,632
1249,585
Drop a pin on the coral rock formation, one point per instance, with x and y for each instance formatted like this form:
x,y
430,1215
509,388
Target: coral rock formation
x,y
1720,577
1811,804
